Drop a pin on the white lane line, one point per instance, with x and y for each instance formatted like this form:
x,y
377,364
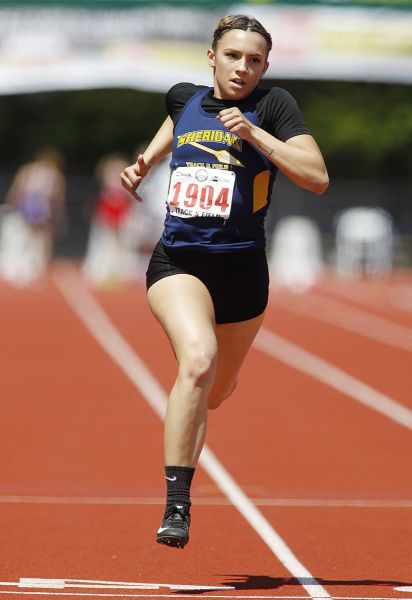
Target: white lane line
x,y
222,502
98,324
352,319
306,362
397,295
34,583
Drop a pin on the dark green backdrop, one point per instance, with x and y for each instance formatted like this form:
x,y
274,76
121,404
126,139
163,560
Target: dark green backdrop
x,y
364,130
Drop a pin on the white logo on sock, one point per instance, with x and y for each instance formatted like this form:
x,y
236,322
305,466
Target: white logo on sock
x,y
171,478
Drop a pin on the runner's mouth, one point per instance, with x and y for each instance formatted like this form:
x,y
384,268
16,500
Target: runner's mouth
x,y
238,82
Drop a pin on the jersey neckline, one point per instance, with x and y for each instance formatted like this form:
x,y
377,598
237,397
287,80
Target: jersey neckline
x,y
220,103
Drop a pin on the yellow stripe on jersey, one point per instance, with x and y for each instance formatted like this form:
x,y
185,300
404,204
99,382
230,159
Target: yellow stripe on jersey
x,y
260,190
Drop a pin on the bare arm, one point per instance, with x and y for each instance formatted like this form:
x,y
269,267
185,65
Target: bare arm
x,y
158,148
299,158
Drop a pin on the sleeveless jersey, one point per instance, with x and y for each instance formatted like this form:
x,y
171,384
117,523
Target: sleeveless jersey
x,y
201,140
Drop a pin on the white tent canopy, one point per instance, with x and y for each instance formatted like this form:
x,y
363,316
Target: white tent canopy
x,y
152,47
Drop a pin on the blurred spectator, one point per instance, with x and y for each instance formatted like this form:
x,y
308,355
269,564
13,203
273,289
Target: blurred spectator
x,y
150,213
35,206
295,257
364,242
110,258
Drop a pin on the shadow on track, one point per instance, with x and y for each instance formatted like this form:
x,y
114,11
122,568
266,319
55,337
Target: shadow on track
x,y
264,582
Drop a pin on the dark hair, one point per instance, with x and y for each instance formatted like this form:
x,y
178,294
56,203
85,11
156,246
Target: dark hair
x,y
240,22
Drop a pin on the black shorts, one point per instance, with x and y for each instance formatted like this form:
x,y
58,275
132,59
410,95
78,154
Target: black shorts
x,y
238,282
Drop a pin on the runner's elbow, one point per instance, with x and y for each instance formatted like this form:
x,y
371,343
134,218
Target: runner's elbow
x,y
320,184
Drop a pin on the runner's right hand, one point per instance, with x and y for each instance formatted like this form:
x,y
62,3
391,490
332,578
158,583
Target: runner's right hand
x,y
132,176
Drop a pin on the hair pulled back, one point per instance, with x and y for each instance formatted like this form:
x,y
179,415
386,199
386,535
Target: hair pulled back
x,y
240,22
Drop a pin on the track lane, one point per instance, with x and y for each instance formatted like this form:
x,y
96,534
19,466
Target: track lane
x,y
264,412
256,432
359,321
368,458
117,544
387,297
99,438
352,552
382,366
65,432
102,329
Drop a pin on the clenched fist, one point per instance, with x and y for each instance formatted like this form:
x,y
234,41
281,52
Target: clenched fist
x,y
133,176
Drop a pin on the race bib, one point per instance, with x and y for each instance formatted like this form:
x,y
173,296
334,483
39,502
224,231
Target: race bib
x,y
201,192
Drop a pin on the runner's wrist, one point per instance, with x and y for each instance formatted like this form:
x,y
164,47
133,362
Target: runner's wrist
x,y
148,162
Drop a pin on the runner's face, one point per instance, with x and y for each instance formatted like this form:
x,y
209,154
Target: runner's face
x,y
239,62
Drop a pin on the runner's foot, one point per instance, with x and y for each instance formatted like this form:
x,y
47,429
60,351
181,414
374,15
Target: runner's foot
x,y
174,530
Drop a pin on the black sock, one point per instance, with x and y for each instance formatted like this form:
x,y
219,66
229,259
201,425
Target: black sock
x,y
178,480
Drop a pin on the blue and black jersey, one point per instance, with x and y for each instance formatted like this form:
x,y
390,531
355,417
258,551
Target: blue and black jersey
x,y
199,138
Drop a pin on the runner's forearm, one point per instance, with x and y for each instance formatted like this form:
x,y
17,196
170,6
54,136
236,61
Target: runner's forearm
x,y
298,158
161,144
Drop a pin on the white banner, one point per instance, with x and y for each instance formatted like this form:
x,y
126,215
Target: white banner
x,y
151,49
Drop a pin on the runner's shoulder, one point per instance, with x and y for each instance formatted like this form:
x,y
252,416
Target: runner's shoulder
x,y
178,96
279,113
275,98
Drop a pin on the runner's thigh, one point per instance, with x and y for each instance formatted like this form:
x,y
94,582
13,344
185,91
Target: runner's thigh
x,y
184,308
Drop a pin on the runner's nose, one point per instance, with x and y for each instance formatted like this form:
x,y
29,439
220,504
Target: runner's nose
x,y
242,66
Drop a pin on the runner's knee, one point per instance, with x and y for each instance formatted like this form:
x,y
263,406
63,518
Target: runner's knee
x,y
197,365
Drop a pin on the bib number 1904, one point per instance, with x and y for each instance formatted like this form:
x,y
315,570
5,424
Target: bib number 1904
x,y
211,196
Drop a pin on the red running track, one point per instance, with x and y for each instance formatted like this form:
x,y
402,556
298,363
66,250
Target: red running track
x,y
82,485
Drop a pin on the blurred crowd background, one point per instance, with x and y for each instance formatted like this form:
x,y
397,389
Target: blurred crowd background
x,y
82,91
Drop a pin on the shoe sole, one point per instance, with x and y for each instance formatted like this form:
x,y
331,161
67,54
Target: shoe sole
x,y
172,541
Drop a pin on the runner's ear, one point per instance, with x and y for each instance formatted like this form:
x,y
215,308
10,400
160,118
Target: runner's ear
x,y
211,58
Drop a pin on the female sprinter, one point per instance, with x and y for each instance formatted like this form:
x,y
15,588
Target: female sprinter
x,y
208,278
